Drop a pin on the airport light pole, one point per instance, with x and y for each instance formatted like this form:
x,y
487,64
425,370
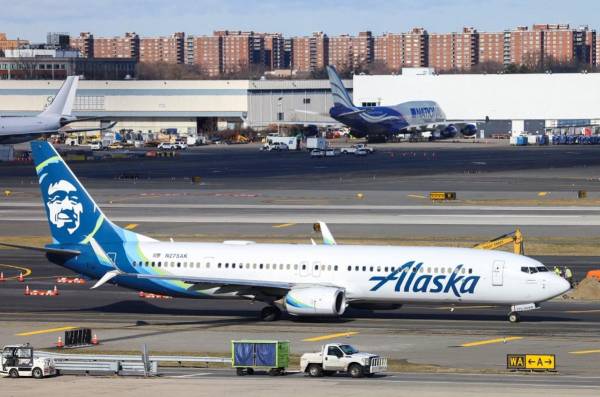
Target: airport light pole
x,y
279,114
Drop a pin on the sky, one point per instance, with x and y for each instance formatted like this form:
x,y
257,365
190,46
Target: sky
x,y
29,19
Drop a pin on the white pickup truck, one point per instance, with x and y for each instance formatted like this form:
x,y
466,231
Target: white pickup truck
x,y
355,148
339,357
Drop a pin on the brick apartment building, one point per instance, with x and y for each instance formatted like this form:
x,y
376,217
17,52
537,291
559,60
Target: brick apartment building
x,y
10,44
163,49
310,53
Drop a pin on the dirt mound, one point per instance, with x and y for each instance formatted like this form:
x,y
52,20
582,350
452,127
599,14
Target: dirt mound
x,y
588,289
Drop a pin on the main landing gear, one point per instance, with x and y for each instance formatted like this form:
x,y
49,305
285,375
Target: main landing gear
x,y
270,313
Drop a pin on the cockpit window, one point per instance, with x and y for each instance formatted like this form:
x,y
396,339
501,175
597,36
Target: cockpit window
x,y
525,269
542,269
532,270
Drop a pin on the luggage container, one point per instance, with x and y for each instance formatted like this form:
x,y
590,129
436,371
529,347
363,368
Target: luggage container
x,y
532,139
266,355
522,140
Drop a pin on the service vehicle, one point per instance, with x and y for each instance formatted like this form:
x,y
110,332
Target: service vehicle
x,y
95,145
275,147
316,143
331,152
359,146
361,152
115,145
19,361
342,358
317,153
266,355
167,146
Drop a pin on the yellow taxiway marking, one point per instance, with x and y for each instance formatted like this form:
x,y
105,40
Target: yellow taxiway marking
x,y
330,336
26,272
284,225
542,194
45,331
131,226
416,196
491,341
585,351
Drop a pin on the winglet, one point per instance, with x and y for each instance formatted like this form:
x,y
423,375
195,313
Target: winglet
x,y
327,236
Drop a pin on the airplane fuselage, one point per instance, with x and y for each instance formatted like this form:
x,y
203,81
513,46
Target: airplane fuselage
x,y
366,273
22,129
389,120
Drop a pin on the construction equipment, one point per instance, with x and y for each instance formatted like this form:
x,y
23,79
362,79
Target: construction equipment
x,y
516,238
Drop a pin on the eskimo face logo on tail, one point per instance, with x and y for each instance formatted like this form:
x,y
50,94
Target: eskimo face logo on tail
x,y
64,206
407,278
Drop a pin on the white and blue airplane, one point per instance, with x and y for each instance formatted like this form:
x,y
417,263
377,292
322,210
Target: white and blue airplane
x,y
55,117
304,280
382,122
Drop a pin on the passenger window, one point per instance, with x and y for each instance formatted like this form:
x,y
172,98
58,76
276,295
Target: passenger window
x,y
364,268
450,270
443,270
178,264
392,268
422,270
435,269
329,268
316,267
335,268
287,266
208,265
233,265
371,269
303,267
260,266
357,268
463,270
295,267
267,266
470,271
385,269
349,268
254,266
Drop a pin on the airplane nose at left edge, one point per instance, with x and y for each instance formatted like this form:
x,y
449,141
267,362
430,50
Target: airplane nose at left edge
x,y
562,285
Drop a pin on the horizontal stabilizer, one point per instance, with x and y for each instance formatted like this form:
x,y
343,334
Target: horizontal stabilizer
x,y
106,278
55,251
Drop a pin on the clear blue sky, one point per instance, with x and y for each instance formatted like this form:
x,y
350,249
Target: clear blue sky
x,y
31,19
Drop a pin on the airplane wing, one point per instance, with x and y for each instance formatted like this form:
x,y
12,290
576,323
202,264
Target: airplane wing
x,y
70,130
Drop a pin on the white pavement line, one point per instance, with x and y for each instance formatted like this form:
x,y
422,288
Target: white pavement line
x,y
189,375
329,207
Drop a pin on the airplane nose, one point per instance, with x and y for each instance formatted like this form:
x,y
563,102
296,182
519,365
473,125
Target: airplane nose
x,y
562,285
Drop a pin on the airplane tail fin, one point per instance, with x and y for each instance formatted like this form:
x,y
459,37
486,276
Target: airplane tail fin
x,y
73,216
62,104
338,91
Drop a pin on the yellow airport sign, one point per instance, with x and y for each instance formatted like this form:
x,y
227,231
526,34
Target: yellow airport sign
x,y
533,362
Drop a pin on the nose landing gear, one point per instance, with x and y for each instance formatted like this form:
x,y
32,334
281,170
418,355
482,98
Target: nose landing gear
x,y
514,317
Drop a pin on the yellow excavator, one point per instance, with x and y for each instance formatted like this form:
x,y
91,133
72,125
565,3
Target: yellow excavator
x,y
516,238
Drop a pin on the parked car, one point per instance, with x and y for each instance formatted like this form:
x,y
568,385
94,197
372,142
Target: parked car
x,y
115,145
275,146
317,153
168,146
361,152
331,152
96,145
359,146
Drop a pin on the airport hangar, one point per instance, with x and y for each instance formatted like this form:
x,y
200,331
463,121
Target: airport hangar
x,y
189,106
513,102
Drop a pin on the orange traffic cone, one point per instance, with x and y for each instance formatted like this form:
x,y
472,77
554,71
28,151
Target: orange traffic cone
x,y
2,277
95,339
27,292
55,291
21,278
59,343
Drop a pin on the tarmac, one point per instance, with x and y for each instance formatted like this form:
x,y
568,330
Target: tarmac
x,y
246,194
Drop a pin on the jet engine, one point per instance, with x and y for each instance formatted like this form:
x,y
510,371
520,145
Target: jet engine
x,y
469,130
316,301
449,132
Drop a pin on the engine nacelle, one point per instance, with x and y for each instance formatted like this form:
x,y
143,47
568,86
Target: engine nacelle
x,y
316,301
469,130
449,132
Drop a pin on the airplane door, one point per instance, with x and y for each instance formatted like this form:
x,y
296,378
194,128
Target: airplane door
x,y
498,273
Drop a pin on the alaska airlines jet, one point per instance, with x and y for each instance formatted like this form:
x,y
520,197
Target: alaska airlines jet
x,y
56,116
382,122
304,280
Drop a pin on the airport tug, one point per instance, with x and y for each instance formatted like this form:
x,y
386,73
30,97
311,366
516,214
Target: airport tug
x,y
19,361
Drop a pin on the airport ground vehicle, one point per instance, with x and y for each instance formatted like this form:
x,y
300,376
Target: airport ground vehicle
x,y
266,355
275,147
316,143
339,357
96,145
361,152
172,146
19,361
317,153
354,148
115,145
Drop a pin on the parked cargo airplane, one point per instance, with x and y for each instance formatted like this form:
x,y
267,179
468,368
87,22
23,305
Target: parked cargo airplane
x,y
305,280
56,116
383,122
